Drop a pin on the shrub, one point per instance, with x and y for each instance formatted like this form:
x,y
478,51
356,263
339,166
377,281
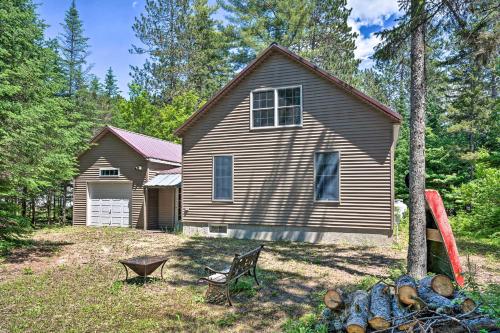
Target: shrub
x,y
13,230
480,199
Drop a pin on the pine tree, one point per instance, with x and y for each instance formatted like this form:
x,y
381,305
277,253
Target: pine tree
x,y
186,48
260,23
329,41
38,139
74,51
110,88
315,29
472,70
162,31
207,66
95,87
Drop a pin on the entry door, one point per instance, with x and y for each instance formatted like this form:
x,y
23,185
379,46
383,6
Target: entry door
x,y
109,204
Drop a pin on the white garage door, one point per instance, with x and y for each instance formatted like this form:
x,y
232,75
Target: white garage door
x,y
110,204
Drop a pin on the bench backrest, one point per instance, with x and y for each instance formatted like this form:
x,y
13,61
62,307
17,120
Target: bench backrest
x,y
244,263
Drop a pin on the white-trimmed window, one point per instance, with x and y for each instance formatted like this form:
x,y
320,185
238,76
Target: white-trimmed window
x,y
217,229
276,107
222,178
327,176
109,172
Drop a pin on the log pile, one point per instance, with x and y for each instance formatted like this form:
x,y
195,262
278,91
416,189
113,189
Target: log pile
x,y
429,305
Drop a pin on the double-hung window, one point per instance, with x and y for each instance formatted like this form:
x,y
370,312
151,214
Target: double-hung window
x,y
276,107
327,176
222,179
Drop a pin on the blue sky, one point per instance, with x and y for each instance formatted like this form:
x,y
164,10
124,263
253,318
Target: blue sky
x,y
108,25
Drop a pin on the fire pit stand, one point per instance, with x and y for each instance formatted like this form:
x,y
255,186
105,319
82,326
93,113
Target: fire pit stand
x,y
144,265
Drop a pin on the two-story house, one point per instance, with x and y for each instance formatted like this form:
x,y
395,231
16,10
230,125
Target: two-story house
x,y
287,151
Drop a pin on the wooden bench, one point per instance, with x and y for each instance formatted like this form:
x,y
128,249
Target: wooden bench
x,y
219,281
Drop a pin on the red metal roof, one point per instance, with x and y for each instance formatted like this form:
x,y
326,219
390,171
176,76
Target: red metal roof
x,y
392,115
147,146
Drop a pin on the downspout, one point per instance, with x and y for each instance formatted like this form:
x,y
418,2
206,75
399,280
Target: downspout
x,y
395,135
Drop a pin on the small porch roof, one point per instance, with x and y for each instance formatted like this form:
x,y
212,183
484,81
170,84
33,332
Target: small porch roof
x,y
165,180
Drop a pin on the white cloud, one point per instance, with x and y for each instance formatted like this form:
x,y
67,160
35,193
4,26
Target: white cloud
x,y
370,12
364,13
134,3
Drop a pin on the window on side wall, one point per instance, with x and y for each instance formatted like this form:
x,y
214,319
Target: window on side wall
x,y
222,179
327,176
276,107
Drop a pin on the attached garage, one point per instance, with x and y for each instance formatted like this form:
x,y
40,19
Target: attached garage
x,y
109,204
110,189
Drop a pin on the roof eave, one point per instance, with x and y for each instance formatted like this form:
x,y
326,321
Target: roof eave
x,y
156,160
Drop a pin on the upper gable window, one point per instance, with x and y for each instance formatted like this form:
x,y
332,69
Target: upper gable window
x,y
276,107
109,172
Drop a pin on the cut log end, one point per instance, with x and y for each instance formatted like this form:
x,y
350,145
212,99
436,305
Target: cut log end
x,y
468,305
442,285
406,289
407,295
379,323
355,329
333,299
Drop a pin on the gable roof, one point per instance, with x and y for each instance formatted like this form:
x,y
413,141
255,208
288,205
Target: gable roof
x,y
148,147
392,115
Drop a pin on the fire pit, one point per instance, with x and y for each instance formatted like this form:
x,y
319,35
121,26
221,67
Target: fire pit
x,y
144,265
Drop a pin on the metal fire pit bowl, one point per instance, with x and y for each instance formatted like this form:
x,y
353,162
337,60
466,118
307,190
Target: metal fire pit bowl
x,y
144,265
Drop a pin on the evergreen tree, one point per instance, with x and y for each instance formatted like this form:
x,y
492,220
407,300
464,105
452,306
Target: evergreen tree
x,y
186,49
38,139
330,42
74,51
110,88
162,31
315,29
207,66
473,115
95,87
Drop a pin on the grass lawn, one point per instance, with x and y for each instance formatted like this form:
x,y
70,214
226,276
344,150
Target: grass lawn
x,y
69,280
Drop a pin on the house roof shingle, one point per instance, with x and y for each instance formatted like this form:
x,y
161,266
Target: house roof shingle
x,y
147,146
392,115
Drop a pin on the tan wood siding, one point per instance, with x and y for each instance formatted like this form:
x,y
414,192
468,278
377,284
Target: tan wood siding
x,y
166,208
110,152
152,208
273,168
154,168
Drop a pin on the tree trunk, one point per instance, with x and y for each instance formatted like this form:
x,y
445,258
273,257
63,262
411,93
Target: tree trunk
x,y
54,205
380,307
406,289
63,203
417,249
440,284
33,212
24,204
358,313
49,204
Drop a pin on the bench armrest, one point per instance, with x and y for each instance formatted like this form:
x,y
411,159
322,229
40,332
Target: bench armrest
x,y
210,270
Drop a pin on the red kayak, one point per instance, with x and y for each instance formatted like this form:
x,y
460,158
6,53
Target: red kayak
x,y
442,252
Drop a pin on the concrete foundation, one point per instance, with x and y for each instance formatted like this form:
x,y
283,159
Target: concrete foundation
x,y
295,234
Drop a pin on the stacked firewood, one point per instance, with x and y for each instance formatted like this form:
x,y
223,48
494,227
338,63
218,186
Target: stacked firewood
x,y
429,305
